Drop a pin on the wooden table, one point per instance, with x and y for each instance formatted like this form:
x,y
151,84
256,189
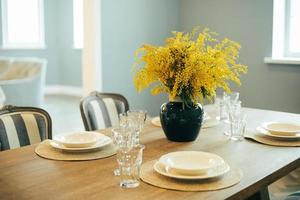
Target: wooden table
x,y
24,175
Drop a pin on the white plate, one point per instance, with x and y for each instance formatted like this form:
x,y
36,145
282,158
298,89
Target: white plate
x,y
102,141
281,128
78,140
265,132
159,168
190,162
210,123
156,121
207,123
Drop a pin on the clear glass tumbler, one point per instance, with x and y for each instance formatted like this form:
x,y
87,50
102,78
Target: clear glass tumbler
x,y
123,137
237,126
136,120
130,161
123,122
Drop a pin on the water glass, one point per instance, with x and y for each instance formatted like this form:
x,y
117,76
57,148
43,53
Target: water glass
x,y
233,96
237,125
130,161
225,103
136,119
123,120
122,137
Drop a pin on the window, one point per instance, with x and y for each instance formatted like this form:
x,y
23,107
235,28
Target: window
x,y
293,28
286,31
22,24
78,24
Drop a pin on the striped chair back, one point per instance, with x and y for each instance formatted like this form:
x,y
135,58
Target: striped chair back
x,y
101,110
20,126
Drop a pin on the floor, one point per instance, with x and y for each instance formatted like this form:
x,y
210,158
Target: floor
x,y
64,112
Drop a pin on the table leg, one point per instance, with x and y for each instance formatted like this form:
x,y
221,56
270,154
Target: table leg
x,y
262,194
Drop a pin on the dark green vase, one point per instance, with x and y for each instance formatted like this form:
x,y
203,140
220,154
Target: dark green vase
x,y
181,124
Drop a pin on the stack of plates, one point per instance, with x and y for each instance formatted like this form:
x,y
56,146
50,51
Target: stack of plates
x,y
280,130
191,165
81,141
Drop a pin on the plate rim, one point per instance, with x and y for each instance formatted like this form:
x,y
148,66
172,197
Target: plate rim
x,y
158,169
164,157
265,124
268,133
98,144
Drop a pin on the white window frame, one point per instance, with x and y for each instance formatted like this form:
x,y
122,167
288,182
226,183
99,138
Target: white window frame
x,y
7,45
280,43
77,45
287,52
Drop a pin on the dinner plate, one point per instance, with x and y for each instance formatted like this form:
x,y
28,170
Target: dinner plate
x,y
78,139
191,162
263,131
101,142
281,128
221,170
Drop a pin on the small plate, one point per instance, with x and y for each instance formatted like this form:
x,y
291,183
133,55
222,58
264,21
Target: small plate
x,y
281,128
78,139
101,142
267,133
191,162
210,123
156,121
223,169
207,122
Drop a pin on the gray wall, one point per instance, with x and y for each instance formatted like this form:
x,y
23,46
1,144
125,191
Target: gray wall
x,y
249,22
64,62
126,25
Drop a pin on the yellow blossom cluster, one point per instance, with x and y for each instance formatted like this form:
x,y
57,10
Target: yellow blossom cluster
x,y
190,66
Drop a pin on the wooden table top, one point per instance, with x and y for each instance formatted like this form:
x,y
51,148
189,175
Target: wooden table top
x,y
24,175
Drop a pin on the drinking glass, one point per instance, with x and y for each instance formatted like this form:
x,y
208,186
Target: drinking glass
x,y
136,120
233,96
123,136
237,125
228,102
130,160
123,122
225,103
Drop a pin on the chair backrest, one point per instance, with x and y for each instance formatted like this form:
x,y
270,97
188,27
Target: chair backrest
x,y
20,126
101,110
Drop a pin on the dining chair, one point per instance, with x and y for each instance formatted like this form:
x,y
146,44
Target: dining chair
x,y
101,110
20,126
294,196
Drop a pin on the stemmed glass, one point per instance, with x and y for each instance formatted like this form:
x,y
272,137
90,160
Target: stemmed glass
x,y
136,119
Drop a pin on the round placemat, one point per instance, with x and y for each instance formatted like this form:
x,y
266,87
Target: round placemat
x,y
264,139
149,176
45,150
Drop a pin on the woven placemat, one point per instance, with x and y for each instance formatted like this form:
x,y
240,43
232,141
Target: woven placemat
x,y
151,177
45,150
264,139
